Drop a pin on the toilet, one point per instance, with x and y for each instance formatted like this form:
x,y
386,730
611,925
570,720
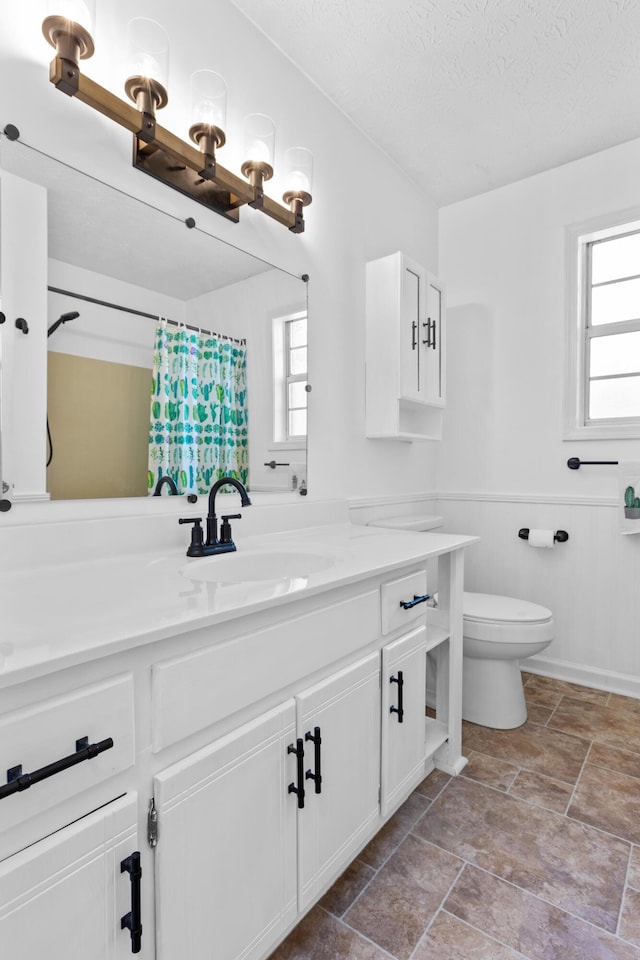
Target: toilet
x,y
498,632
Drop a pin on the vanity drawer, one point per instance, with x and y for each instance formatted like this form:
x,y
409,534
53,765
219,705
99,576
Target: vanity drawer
x,y
45,733
194,691
394,593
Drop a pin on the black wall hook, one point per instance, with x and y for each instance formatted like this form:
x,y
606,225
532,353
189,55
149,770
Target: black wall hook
x,y
22,324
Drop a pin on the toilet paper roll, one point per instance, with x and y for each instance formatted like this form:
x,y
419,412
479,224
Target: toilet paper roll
x,y
541,538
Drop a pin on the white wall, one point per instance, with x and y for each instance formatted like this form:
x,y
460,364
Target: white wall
x,y
503,459
363,206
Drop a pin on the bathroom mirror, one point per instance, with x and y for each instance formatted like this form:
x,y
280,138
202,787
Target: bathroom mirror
x,y
115,265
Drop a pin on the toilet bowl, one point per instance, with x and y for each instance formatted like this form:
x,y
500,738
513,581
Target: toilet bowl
x,y
498,632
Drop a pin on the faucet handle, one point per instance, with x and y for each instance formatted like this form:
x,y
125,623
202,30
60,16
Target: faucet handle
x,y
197,542
225,526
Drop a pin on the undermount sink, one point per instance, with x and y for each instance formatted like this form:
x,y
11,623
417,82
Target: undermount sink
x,y
241,567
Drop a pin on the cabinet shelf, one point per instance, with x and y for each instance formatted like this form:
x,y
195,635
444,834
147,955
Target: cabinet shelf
x,y
436,733
436,636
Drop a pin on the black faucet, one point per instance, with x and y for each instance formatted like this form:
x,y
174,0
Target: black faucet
x,y
212,544
169,482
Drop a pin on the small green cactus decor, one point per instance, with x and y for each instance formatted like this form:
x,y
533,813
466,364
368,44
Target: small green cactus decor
x,y
631,504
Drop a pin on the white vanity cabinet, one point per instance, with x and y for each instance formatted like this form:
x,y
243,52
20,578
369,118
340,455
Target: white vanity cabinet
x,y
267,744
405,350
65,897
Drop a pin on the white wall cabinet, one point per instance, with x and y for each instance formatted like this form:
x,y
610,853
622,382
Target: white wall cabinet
x,y
64,897
405,350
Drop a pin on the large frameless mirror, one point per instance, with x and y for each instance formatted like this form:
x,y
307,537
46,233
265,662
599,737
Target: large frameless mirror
x,y
170,353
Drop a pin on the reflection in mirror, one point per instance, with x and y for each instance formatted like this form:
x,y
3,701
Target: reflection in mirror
x,y
170,352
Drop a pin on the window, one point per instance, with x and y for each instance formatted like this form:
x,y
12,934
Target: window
x,y
605,332
290,379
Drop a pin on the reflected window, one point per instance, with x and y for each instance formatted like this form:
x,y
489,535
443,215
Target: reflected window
x,y
290,378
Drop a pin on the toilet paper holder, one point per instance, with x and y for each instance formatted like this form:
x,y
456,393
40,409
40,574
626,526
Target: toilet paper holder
x,y
560,536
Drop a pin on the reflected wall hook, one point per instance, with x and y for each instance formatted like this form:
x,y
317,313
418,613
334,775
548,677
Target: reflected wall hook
x,y
22,324
574,463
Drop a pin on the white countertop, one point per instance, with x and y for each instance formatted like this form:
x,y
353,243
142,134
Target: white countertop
x,y
61,615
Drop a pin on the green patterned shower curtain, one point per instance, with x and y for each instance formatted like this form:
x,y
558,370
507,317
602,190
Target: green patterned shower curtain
x,y
198,425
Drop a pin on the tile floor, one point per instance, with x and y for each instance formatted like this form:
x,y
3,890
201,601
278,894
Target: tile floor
x,y
533,852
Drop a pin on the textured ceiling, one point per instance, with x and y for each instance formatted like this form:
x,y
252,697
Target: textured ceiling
x,y
467,95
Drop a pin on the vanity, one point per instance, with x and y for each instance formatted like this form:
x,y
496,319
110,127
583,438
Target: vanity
x,y
255,725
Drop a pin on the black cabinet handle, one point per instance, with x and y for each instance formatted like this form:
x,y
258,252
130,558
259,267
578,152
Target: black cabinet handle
x,y
18,781
316,776
414,331
400,708
298,749
407,604
133,920
427,326
433,342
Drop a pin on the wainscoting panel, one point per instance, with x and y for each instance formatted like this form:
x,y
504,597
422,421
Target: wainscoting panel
x,y
591,583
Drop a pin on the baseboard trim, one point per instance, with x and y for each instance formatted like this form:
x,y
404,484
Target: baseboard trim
x,y
625,684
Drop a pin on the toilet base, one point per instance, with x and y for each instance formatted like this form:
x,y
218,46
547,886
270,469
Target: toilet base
x,y
492,694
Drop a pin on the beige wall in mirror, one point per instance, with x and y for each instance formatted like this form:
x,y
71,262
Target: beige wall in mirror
x,y
116,265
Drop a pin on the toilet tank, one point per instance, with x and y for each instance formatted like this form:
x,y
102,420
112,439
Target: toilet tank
x,y
407,521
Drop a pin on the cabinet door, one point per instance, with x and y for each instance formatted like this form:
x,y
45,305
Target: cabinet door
x,y
433,344
404,665
334,823
63,898
412,310
225,860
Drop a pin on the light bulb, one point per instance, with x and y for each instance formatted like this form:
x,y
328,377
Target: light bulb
x,y
208,99
259,139
298,170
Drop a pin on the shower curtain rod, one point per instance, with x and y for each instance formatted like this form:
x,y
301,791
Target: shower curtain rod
x,y
141,313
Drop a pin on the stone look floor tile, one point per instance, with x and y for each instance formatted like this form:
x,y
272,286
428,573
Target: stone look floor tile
x,y
624,704
633,877
398,904
610,802
537,929
546,686
622,761
320,936
533,747
433,784
537,713
349,886
451,939
574,866
592,721
394,831
630,921
488,770
543,791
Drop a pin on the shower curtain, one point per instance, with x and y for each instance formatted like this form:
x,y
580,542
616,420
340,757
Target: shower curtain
x,y
198,424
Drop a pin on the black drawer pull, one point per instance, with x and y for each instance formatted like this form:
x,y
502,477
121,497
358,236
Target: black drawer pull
x,y
298,749
316,776
18,781
400,708
407,604
133,920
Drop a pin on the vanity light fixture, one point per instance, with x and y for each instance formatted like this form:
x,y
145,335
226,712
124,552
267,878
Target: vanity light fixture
x,y
193,170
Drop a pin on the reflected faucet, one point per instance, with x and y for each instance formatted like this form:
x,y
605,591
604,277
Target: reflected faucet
x,y
212,544
169,482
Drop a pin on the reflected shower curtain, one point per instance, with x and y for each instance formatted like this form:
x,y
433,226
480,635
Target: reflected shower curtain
x,y
198,424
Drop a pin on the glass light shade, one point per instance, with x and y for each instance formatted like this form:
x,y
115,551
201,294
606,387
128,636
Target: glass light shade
x,y
259,139
208,99
147,50
82,12
298,170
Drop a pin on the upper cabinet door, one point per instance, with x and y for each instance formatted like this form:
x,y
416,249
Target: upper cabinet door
x,y
433,344
412,314
332,826
226,854
64,897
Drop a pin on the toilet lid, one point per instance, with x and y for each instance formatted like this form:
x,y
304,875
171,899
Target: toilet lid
x,y
485,606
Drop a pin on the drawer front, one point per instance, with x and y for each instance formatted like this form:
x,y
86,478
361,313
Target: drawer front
x,y
40,735
396,592
192,692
